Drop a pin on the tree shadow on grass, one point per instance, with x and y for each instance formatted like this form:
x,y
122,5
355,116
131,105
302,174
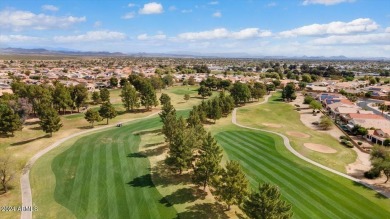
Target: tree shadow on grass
x,y
142,181
204,210
164,175
85,127
377,194
153,144
29,140
181,196
137,155
148,153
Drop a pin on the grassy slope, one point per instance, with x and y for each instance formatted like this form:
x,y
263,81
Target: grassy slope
x,y
284,114
98,176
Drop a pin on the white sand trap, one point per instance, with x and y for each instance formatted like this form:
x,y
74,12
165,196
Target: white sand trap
x,y
298,134
320,148
272,125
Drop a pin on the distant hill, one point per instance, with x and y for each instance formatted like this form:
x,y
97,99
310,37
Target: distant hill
x,y
176,54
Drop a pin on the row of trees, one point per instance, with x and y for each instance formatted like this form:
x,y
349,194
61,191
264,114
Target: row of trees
x,y
192,148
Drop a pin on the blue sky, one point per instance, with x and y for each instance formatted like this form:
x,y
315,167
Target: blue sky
x,y
354,28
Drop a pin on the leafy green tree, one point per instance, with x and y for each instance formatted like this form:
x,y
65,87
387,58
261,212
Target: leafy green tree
x,y
129,97
107,111
191,80
186,97
114,82
240,93
157,82
226,103
96,97
168,80
50,121
9,120
306,78
207,166
359,130
79,95
7,171
105,95
380,160
148,95
315,105
258,90
61,97
92,116
204,91
308,99
164,98
266,203
288,92
325,123
231,186
123,81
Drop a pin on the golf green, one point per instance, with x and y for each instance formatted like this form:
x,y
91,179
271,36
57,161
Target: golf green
x,y
313,192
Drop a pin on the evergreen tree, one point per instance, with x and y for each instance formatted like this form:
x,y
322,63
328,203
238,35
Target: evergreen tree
x,y
105,95
169,125
266,204
148,95
50,121
193,118
166,109
232,185
9,120
203,108
215,111
180,147
207,166
96,97
92,116
129,97
107,111
164,98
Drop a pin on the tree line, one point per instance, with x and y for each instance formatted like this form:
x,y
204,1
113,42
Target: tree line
x,y
193,149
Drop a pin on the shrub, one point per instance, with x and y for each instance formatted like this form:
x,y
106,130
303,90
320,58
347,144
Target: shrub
x,y
360,143
372,174
308,99
345,137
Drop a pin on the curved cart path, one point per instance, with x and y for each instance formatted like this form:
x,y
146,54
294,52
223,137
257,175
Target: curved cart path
x,y
25,180
292,150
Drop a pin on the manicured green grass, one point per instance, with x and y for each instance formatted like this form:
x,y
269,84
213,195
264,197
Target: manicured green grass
x,y
100,176
283,114
313,192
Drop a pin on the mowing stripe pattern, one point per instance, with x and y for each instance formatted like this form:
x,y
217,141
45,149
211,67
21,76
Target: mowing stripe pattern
x,y
312,194
96,177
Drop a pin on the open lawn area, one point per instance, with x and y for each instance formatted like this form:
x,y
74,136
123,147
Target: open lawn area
x,y
281,117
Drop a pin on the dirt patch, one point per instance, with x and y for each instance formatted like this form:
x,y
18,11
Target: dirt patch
x,y
320,148
272,125
298,134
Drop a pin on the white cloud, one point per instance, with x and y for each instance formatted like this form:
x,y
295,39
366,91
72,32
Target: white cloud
x,y
185,11
217,14
387,30
325,2
374,38
18,38
213,3
130,5
49,8
19,20
272,4
152,8
221,33
129,15
356,26
172,8
145,36
97,24
91,36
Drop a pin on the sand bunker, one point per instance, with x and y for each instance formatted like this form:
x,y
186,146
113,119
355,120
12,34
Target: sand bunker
x,y
320,148
298,134
272,125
